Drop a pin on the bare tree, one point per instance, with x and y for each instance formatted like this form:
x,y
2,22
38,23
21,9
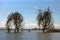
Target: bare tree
x,y
40,18
15,18
45,20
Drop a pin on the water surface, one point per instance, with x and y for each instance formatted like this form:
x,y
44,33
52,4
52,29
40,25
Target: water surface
x,y
25,35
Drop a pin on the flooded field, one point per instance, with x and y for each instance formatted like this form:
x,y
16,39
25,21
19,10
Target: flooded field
x,y
25,35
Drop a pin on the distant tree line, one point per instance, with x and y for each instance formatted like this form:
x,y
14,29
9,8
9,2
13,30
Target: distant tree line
x,y
44,19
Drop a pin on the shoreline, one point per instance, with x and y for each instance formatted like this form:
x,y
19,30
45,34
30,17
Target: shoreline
x,y
53,30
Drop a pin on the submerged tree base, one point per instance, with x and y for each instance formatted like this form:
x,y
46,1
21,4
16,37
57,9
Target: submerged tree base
x,y
53,30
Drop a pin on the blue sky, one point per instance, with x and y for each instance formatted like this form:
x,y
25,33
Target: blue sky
x,y
28,9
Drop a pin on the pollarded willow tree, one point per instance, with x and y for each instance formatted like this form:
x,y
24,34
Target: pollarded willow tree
x,y
16,19
45,19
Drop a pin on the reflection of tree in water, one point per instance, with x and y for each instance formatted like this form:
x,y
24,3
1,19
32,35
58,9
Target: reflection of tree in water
x,y
14,36
16,19
45,19
43,36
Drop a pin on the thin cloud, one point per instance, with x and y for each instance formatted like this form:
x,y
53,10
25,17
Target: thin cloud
x,y
30,25
57,24
2,23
